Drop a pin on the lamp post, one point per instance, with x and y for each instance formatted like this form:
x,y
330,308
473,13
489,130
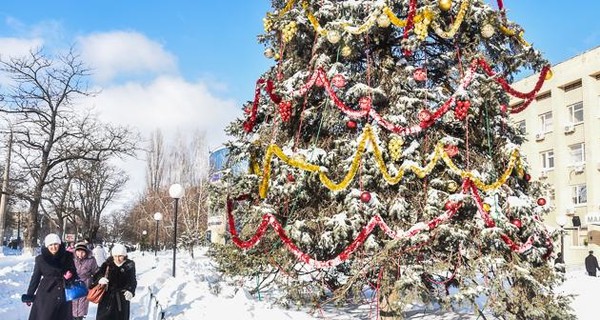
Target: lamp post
x,y
561,221
19,228
176,192
144,233
157,217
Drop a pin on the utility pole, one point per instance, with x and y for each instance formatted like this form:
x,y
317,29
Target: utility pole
x,y
4,195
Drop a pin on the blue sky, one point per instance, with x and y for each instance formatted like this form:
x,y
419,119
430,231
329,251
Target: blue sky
x,y
187,66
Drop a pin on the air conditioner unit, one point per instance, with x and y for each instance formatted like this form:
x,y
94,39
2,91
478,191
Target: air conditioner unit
x,y
539,136
543,174
569,128
579,168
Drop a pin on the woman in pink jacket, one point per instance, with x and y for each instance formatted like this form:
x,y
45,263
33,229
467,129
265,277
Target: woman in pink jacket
x,y
86,267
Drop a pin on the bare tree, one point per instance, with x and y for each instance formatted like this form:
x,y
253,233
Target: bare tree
x,y
97,183
155,161
50,130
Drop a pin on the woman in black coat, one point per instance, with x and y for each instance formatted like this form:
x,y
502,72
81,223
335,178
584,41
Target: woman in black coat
x,y
121,281
53,267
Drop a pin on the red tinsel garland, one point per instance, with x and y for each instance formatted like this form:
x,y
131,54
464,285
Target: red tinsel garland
x,y
319,77
412,10
270,220
500,5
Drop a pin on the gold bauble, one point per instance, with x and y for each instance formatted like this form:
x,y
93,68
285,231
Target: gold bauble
x,y
452,186
487,207
383,21
346,51
333,36
445,5
549,74
487,31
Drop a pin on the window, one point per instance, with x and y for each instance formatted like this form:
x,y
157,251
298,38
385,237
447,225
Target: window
x,y
572,86
547,158
576,112
577,153
521,127
546,122
579,194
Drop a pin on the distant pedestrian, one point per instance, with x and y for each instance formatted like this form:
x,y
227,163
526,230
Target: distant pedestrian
x,y
559,263
99,254
53,267
86,268
591,264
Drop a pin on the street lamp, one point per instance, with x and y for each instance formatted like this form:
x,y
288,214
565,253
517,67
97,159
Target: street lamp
x,y
144,233
561,221
157,217
176,192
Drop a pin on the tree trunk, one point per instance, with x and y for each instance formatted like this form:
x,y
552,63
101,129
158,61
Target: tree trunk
x,y
388,308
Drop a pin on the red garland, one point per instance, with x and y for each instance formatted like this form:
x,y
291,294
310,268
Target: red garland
x,y
412,10
270,220
249,123
500,5
320,76
527,96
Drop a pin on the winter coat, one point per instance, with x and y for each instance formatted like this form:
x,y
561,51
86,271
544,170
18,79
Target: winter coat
x,y
591,264
86,268
48,285
99,254
113,305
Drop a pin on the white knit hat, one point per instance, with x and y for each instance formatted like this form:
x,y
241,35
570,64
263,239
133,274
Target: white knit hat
x,y
51,239
118,250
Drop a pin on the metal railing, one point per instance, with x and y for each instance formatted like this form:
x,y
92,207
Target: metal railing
x,y
155,310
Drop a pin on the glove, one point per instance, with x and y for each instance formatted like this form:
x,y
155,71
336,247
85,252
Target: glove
x,y
68,275
103,280
27,299
128,295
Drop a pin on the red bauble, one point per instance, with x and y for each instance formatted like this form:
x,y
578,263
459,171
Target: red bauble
x,y
527,177
365,196
450,205
365,103
517,222
451,150
338,81
420,74
285,110
424,116
351,124
290,177
541,202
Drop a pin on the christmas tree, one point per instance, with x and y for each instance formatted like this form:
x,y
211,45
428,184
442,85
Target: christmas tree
x,y
382,157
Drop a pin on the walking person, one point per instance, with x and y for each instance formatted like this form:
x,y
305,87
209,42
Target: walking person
x,y
591,264
53,267
121,282
99,254
86,268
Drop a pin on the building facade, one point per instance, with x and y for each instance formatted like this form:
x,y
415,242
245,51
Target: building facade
x,y
562,127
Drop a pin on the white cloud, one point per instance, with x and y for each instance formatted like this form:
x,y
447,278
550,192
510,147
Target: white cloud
x,y
122,53
170,104
16,47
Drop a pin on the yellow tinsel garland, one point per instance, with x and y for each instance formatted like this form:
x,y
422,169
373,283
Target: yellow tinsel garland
x,y
369,136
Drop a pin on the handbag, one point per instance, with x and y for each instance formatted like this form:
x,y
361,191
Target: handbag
x,y
75,290
95,294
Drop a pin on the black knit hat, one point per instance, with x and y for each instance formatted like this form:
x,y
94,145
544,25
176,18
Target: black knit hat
x,y
81,246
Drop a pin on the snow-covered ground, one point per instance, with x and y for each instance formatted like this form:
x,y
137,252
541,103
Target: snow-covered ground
x,y
198,292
